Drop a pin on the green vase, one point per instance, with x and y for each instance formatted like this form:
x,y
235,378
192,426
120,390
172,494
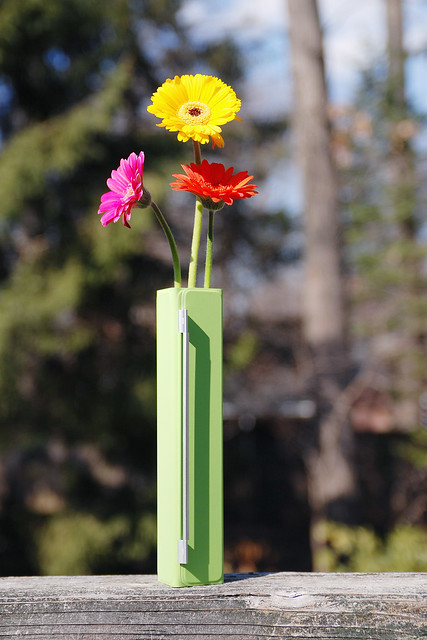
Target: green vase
x,y
189,437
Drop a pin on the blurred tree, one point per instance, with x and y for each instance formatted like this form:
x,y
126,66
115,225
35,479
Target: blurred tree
x,y
386,233
333,489
77,375
402,201
381,177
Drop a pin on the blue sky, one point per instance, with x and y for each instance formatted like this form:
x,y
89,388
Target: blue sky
x,y
354,37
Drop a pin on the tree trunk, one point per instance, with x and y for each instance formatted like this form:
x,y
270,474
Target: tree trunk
x,y
332,478
396,73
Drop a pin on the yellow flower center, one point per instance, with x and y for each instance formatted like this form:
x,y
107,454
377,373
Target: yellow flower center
x,y
129,193
194,113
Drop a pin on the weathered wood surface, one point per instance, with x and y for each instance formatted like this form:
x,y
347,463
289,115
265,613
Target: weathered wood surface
x,y
281,605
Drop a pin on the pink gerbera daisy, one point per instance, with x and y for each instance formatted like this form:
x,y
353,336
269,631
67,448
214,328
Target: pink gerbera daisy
x,y
126,189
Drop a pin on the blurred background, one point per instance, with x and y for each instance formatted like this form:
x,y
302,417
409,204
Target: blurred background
x,y
324,276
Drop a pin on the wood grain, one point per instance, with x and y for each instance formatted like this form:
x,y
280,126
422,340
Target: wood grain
x,y
280,605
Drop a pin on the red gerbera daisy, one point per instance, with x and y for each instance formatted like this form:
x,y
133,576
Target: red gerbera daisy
x,y
214,184
126,190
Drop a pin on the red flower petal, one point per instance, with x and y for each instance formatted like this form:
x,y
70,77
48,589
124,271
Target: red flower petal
x,y
213,182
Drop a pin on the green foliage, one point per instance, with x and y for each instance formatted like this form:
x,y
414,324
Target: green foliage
x,y
82,544
241,353
415,450
57,146
62,50
77,344
53,295
107,250
358,549
76,366
387,248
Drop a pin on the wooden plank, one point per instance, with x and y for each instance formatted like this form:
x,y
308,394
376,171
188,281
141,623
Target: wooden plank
x,y
386,606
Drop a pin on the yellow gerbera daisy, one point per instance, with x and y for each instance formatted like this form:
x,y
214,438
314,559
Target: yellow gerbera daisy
x,y
195,106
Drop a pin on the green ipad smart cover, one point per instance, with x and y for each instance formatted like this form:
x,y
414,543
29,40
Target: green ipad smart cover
x,y
189,437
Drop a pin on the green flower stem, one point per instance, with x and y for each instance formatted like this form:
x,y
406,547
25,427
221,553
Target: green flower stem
x,y
195,243
197,228
209,247
197,152
172,244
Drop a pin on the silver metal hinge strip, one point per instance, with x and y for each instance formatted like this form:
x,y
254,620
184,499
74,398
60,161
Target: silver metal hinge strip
x,y
183,543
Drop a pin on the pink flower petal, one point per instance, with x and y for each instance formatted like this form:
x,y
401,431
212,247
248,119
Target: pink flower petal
x,y
126,188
